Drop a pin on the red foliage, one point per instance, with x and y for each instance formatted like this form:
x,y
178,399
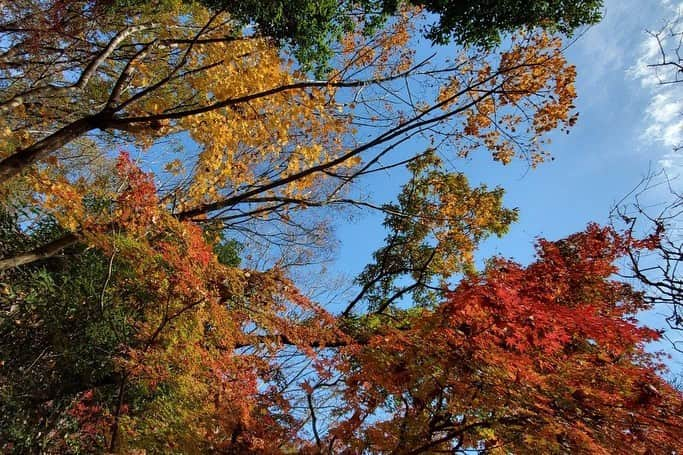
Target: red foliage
x,y
92,419
138,202
545,357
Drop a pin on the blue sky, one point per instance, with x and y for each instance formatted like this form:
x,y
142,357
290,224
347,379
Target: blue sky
x,y
628,123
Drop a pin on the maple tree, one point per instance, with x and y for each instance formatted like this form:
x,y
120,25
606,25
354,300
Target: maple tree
x,y
145,143
518,359
264,135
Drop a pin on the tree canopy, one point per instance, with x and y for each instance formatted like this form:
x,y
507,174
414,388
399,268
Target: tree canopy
x,y
169,171
311,27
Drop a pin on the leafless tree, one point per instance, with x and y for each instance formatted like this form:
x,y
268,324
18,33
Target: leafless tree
x,y
660,269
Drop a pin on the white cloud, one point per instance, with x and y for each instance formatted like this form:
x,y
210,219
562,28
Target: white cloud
x,y
671,162
649,53
603,44
663,116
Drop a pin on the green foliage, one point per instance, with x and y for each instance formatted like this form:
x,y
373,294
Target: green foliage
x,y
433,231
481,22
60,327
14,240
312,28
228,252
148,337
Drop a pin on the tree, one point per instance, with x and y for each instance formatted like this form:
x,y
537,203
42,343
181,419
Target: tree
x,y
657,270
85,38
532,359
130,323
312,27
669,65
248,115
536,358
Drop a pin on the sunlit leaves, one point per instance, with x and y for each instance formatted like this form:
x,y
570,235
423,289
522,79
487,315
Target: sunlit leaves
x,y
433,232
530,93
537,358
142,330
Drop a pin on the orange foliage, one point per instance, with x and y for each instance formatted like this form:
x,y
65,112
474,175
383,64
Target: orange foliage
x,y
543,358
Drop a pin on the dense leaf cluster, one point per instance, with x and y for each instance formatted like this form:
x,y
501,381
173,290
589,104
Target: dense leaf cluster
x,y
170,179
313,27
